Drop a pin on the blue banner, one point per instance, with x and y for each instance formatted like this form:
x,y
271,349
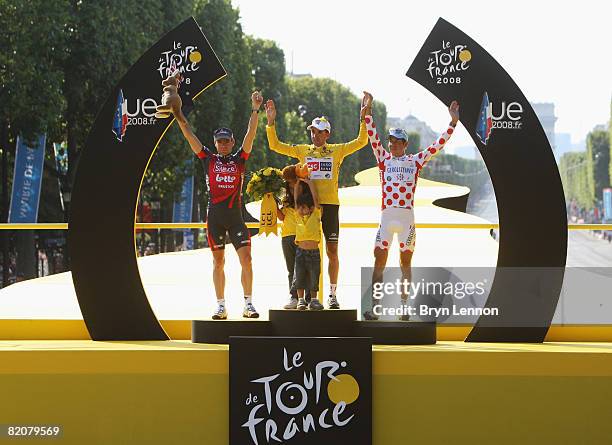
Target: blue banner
x,y
27,179
607,204
182,211
184,204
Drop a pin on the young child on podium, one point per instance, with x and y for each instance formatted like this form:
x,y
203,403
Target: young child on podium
x,y
307,238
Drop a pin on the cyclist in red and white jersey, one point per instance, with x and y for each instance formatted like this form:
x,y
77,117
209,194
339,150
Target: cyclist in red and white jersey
x,y
399,173
224,177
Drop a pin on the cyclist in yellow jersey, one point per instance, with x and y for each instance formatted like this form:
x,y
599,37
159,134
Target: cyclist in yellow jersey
x,y
324,161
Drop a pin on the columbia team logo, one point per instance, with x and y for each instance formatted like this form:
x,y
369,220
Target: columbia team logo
x,y
485,120
120,119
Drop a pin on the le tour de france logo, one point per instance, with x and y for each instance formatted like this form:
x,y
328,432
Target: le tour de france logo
x,y
141,111
447,63
309,393
183,57
508,116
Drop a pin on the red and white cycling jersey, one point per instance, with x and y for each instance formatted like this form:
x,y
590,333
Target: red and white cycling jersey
x,y
224,177
399,175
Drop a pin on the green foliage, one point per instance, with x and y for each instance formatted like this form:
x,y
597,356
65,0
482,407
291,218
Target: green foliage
x,y
33,41
573,167
60,59
610,140
326,97
414,142
454,169
598,161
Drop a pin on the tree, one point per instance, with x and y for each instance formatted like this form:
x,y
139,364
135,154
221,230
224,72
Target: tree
x,y
32,40
598,161
228,103
610,140
573,169
414,142
326,97
267,63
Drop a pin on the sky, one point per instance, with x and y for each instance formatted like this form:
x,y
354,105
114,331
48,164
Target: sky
x,y
554,52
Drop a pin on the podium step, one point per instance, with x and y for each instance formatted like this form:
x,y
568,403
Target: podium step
x,y
219,331
397,332
326,323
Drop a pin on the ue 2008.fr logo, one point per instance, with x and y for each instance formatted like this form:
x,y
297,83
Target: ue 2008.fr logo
x,y
132,113
509,118
447,64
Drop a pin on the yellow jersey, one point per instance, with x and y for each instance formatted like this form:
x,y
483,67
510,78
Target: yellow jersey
x,y
308,228
288,227
324,161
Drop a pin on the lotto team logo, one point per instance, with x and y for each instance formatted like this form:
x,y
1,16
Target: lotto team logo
x,y
509,118
120,120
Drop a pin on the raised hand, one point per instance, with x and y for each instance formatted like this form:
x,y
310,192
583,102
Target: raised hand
x,y
270,111
453,110
366,104
256,100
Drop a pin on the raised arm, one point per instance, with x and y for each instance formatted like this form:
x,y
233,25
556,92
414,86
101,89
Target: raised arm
x,y
377,147
256,101
273,141
423,157
362,138
313,191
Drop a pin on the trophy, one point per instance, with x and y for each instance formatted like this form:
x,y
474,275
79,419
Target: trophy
x,y
170,99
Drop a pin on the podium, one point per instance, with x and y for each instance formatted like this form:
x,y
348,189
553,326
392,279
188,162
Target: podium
x,y
325,323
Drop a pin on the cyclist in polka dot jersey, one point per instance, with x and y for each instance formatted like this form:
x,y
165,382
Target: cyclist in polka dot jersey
x,y
399,173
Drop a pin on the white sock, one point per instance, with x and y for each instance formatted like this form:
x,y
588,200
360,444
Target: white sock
x,y
221,302
247,299
332,289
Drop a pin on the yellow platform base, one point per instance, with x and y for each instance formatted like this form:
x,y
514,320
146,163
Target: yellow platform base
x,y
177,392
47,329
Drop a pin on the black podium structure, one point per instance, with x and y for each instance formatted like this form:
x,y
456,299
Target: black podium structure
x,y
328,323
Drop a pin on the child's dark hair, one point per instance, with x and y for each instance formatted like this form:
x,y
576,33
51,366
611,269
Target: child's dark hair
x,y
305,198
288,199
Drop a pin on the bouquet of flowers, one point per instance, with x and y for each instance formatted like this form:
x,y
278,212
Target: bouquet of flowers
x,y
265,180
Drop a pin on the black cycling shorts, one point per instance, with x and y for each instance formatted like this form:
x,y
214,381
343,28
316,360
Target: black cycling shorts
x,y
223,221
330,222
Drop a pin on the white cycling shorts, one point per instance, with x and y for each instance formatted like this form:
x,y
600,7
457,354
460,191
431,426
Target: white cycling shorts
x,y
396,220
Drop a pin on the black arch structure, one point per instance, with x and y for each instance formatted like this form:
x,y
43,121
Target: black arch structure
x,y
530,199
108,180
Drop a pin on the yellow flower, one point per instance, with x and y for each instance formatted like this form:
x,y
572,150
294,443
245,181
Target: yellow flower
x,y
256,178
267,171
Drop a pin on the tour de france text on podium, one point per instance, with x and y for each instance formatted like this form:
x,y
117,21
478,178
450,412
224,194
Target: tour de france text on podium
x,y
409,290
309,421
